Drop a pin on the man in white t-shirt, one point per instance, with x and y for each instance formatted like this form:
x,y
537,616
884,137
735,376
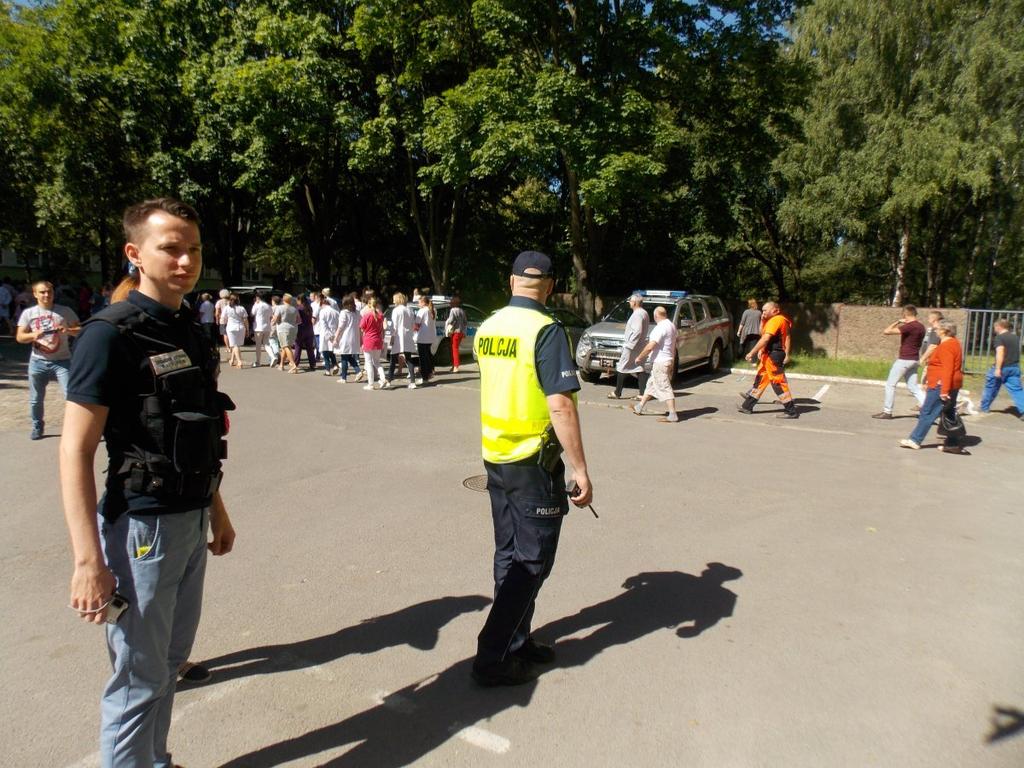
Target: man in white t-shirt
x,y
659,386
46,326
261,313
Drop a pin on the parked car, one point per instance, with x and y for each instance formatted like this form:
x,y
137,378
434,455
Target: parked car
x,y
573,324
705,331
442,348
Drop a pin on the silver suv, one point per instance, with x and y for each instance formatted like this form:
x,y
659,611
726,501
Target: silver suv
x,y
705,330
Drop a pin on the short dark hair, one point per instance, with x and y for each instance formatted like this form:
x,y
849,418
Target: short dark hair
x,y
136,216
347,302
910,309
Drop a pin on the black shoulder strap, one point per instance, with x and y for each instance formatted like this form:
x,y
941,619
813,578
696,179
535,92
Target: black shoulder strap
x,y
123,315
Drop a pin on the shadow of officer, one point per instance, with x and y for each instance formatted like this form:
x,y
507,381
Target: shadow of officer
x,y
408,724
412,722
417,626
652,601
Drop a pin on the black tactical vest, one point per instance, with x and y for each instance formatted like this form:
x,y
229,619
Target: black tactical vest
x,y
170,442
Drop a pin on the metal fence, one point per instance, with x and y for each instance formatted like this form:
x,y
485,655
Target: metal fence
x,y
977,337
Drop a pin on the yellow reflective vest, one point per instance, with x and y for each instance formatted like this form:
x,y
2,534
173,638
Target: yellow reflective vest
x,y
513,407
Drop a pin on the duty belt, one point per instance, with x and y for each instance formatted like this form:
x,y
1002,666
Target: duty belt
x,y
197,485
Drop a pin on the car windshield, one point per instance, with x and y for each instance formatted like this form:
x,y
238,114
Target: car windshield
x,y
620,312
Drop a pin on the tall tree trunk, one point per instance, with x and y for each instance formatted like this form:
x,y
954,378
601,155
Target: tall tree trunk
x,y
996,241
578,245
968,286
900,293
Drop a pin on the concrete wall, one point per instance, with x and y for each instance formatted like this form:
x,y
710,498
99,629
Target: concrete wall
x,y
853,331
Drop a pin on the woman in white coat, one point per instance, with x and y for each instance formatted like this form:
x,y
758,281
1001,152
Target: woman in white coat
x,y
327,322
348,339
634,339
402,342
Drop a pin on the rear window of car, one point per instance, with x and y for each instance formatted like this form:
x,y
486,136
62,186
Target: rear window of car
x,y
699,311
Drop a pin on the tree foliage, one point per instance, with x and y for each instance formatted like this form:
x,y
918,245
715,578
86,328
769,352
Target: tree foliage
x,y
841,150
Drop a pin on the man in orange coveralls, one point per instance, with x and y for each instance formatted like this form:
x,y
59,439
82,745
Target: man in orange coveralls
x,y
773,351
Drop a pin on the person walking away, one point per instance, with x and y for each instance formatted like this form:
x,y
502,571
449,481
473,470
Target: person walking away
x,y
47,327
315,303
528,416
659,385
325,295
772,353
943,380
1006,370
371,326
328,331
634,337
285,321
236,324
912,334
6,305
305,339
402,342
749,330
348,338
139,366
218,308
455,328
207,316
261,314
425,335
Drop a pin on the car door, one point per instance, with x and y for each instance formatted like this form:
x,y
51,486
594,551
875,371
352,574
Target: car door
x,y
686,340
703,326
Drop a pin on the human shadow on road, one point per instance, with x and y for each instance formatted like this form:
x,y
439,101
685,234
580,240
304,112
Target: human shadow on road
x,y
1006,722
412,722
417,626
652,601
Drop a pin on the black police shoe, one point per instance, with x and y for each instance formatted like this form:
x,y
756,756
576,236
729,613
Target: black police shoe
x,y
538,653
512,671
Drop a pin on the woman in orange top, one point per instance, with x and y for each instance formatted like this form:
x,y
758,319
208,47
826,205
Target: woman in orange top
x,y
943,381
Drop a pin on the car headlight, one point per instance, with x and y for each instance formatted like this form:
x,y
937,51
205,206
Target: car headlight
x,y
584,347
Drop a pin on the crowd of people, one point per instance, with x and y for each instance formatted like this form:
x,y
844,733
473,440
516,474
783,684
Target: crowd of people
x,y
344,339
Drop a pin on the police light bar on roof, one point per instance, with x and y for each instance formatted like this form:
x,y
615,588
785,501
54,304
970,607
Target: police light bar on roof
x,y
665,294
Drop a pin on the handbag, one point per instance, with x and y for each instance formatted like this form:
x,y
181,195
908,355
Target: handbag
x,y
950,423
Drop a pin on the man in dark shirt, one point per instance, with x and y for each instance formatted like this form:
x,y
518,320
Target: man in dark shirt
x,y
911,333
1006,369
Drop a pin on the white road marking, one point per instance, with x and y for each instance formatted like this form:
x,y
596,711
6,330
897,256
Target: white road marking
x,y
479,737
821,393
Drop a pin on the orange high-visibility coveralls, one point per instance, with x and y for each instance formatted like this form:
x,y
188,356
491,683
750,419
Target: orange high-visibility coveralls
x,y
770,365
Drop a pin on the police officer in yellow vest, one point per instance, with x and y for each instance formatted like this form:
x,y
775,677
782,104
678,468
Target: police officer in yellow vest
x,y
528,417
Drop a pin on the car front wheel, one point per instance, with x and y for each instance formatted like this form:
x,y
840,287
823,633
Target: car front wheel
x,y
715,358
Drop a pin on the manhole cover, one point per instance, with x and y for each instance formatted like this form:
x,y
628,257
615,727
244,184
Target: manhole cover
x,y
476,483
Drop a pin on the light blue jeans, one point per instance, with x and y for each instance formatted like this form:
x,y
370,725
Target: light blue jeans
x,y
159,562
40,373
902,370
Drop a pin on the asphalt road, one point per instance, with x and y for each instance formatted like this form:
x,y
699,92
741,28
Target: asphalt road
x,y
755,592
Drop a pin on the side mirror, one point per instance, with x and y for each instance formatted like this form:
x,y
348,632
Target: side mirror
x,y
686,323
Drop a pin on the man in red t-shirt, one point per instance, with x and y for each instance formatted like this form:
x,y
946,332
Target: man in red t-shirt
x,y
911,332
772,351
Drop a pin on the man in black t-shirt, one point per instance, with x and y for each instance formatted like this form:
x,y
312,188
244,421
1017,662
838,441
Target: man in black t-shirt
x,y
1006,370
912,335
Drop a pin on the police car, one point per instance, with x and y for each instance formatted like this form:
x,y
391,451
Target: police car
x,y
703,322
442,308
